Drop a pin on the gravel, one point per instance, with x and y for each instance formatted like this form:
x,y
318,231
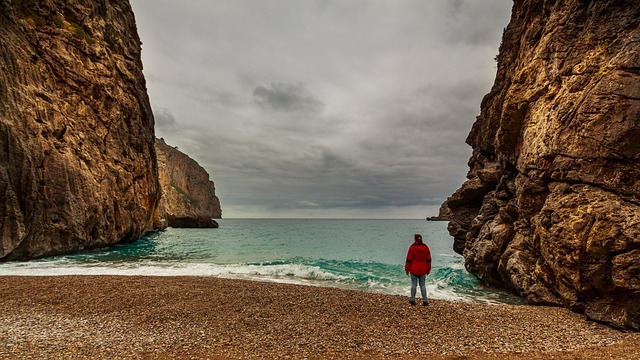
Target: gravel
x,y
106,317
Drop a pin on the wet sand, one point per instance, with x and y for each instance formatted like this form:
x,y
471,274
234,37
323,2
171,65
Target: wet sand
x,y
205,317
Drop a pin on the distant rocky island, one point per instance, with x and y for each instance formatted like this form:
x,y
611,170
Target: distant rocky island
x,y
551,208
78,162
444,214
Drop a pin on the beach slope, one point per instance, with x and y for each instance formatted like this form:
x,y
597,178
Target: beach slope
x,y
206,317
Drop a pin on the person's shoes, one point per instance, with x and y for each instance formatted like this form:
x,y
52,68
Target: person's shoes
x,y
412,302
425,303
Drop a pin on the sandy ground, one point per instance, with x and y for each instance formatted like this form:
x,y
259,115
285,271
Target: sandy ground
x,y
204,317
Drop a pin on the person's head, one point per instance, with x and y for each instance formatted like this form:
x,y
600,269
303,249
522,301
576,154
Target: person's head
x,y
417,238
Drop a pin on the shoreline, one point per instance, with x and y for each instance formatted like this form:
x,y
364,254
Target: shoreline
x,y
105,316
503,298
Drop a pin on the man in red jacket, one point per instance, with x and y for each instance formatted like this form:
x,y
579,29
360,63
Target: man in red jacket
x,y
418,265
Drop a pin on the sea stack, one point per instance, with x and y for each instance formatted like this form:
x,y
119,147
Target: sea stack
x,y
77,161
188,195
551,208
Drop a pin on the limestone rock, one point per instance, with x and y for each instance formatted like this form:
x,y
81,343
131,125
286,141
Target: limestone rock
x,y
188,196
551,209
77,163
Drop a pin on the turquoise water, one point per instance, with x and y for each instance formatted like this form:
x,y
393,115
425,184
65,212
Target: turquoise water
x,y
365,255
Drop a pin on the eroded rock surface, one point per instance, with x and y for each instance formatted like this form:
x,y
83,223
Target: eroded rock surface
x,y
189,198
551,209
77,162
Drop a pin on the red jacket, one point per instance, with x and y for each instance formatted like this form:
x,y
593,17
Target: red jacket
x,y
418,259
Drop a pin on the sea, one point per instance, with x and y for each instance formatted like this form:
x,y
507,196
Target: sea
x,y
364,255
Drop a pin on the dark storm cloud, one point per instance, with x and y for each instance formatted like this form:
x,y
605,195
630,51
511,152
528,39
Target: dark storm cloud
x,y
324,108
286,97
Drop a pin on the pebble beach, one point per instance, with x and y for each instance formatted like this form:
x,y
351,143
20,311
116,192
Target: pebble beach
x,y
106,317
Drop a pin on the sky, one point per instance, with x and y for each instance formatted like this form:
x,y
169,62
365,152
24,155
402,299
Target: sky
x,y
322,108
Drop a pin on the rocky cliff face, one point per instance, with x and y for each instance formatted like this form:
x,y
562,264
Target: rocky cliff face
x,y
77,162
551,209
188,196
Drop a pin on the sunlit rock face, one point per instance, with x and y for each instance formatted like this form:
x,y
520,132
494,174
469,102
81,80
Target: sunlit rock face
x,y
188,196
77,161
551,209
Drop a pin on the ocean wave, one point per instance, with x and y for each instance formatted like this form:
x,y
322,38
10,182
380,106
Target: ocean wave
x,y
445,283
56,268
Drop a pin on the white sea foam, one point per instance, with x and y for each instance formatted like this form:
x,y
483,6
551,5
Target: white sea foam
x,y
280,273
57,268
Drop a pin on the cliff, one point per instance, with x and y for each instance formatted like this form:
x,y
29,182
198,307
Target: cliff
x,y
551,208
77,160
188,196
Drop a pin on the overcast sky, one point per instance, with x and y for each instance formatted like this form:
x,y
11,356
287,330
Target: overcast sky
x,y
325,108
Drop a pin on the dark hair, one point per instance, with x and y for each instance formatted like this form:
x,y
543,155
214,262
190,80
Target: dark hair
x,y
418,238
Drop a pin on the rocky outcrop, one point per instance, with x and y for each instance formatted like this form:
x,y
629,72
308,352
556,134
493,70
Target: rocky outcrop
x,y
188,196
551,209
77,162
444,214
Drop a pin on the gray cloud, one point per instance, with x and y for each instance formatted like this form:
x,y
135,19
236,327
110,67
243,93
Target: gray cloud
x,y
324,108
465,14
286,97
200,92
164,119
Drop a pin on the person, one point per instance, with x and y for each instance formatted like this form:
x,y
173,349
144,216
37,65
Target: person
x,y
418,265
